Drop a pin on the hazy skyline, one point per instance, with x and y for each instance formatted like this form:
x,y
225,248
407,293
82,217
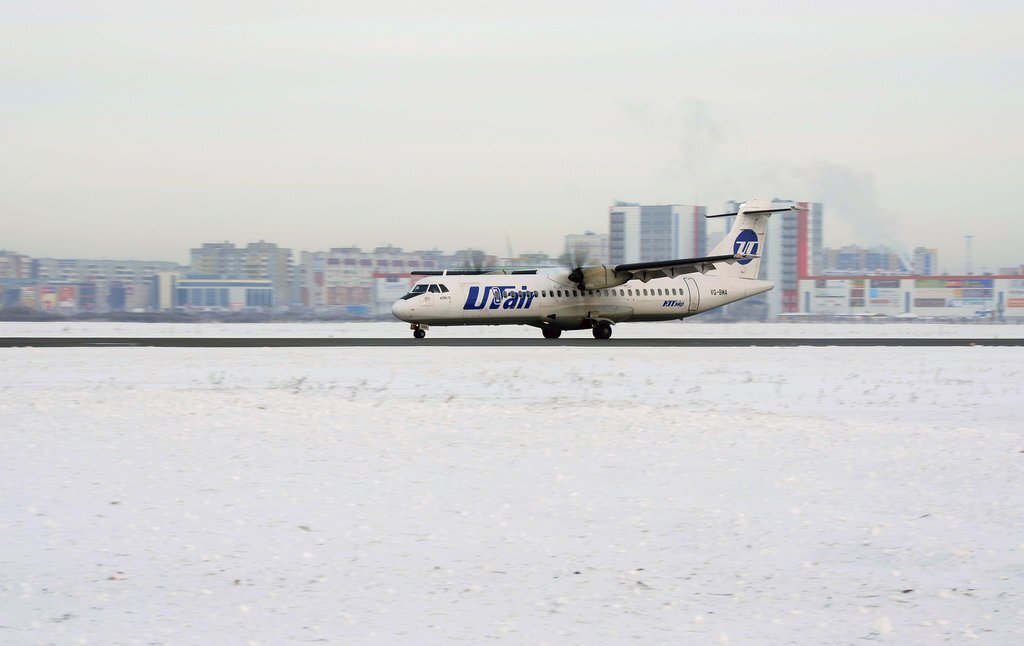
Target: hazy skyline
x,y
143,130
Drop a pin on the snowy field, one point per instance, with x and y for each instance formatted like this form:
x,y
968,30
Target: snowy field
x,y
538,495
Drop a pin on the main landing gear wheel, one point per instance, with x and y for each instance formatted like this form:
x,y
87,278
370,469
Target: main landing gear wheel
x,y
551,332
420,333
602,330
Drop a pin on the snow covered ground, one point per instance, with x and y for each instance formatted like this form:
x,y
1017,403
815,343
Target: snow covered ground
x,y
538,495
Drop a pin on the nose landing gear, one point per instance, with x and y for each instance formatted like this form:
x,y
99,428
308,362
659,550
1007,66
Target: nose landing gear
x,y
419,331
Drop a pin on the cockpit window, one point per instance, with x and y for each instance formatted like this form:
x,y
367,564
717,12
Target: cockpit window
x,y
434,289
415,291
444,289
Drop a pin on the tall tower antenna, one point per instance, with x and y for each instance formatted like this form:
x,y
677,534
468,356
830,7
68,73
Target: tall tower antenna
x,y
968,238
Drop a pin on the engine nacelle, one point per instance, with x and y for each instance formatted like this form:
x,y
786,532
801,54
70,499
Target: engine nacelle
x,y
600,277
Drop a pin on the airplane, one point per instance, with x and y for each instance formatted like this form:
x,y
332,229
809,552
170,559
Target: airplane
x,y
599,296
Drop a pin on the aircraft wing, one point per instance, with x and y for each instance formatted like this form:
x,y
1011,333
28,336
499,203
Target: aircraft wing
x,y
645,271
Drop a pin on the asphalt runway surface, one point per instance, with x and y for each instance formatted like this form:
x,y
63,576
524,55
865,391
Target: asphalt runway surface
x,y
587,342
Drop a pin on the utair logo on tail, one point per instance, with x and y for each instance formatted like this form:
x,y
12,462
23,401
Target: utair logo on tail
x,y
596,297
746,245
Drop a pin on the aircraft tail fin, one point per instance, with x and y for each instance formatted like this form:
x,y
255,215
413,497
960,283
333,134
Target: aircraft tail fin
x,y
746,237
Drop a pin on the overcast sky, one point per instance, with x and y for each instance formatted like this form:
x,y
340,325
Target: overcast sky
x,y
141,129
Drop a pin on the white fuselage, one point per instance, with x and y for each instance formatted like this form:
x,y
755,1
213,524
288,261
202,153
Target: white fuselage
x,y
547,298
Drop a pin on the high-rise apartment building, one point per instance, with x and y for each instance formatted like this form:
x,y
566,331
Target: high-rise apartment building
x,y
15,266
642,233
926,262
793,249
256,261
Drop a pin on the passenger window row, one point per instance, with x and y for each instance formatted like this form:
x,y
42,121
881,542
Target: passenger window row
x,y
562,293
572,293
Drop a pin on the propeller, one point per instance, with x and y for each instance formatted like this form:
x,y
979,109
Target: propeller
x,y
577,255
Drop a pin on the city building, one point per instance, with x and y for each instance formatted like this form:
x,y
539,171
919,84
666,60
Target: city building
x,y
796,251
256,261
642,233
346,278
216,294
64,298
75,297
73,269
73,285
854,259
171,291
162,291
15,266
588,248
17,285
926,262
911,296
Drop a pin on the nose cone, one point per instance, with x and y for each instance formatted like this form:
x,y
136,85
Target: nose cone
x,y
400,310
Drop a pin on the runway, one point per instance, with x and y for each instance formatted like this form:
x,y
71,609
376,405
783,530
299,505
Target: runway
x,y
375,342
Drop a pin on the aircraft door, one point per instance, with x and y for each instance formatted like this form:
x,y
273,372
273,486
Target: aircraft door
x,y
694,303
445,300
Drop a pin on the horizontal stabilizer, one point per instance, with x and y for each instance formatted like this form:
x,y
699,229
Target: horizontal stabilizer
x,y
756,211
